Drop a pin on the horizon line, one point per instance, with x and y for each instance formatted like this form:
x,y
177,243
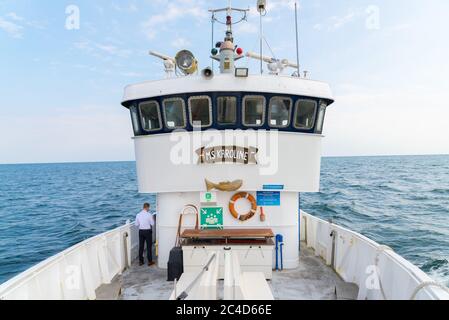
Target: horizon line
x,y
324,157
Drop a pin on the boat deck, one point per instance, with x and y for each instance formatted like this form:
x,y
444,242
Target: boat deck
x,y
312,280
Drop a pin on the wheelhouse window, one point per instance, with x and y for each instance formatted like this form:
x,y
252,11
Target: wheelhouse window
x,y
305,114
134,119
321,116
200,111
227,110
174,113
150,116
280,112
254,111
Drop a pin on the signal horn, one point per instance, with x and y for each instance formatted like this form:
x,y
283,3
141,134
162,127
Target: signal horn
x,y
207,73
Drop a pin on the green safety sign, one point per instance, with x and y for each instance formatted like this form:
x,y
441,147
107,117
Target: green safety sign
x,y
208,199
211,218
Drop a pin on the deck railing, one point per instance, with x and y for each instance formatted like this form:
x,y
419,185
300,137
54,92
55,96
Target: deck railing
x,y
380,273
77,272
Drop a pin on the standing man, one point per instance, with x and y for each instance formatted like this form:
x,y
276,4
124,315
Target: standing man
x,y
145,223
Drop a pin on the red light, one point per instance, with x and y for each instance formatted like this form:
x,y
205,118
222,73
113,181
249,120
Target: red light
x,y
239,51
228,20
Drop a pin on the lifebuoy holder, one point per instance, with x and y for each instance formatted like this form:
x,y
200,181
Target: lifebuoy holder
x,y
250,198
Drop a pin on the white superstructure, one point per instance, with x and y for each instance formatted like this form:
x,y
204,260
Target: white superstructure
x,y
229,83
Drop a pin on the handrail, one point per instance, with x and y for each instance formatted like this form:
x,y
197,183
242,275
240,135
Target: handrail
x,y
53,259
184,213
428,284
17,286
410,273
185,293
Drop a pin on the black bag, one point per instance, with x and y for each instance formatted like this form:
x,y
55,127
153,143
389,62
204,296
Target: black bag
x,y
175,264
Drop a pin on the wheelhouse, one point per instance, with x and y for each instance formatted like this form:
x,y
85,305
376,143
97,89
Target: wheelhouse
x,y
228,110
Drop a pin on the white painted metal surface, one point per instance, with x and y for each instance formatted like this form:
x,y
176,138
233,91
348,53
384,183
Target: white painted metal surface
x,y
206,287
229,83
282,220
240,285
251,258
77,272
293,160
380,273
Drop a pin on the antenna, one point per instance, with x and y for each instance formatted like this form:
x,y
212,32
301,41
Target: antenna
x,y
297,37
213,38
261,8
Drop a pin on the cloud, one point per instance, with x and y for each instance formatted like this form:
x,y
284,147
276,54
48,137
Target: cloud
x,y
12,29
99,49
113,50
247,28
318,26
128,8
14,25
368,122
173,12
401,27
87,133
180,43
273,5
132,74
337,22
14,16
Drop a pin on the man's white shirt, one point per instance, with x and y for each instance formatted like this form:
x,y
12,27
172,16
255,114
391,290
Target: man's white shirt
x,y
145,220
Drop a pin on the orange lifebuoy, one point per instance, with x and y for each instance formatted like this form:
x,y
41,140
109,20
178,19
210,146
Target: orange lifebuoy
x,y
250,198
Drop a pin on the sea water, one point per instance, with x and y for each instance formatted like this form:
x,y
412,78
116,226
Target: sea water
x,y
402,202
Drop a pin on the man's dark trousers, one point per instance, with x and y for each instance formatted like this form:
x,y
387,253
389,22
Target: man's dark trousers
x,y
146,236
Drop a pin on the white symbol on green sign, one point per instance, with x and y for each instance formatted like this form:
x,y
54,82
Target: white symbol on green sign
x,y
212,218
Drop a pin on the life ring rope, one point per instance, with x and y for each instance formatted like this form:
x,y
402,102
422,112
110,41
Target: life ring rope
x,y
250,198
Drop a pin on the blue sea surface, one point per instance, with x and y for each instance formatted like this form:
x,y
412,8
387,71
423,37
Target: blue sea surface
x,y
402,202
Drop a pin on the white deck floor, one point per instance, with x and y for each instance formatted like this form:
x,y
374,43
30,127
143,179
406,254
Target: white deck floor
x,y
313,280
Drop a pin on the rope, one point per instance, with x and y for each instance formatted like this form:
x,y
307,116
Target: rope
x,y
305,229
423,285
428,284
380,250
269,47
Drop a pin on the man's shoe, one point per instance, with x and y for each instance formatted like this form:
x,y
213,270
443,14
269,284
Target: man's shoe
x,y
141,263
150,264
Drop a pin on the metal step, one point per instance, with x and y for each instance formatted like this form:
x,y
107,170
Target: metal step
x,y
346,291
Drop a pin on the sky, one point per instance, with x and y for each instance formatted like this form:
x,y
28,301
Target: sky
x,y
61,86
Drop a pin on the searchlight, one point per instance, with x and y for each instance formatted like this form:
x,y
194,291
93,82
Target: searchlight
x,y
186,62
